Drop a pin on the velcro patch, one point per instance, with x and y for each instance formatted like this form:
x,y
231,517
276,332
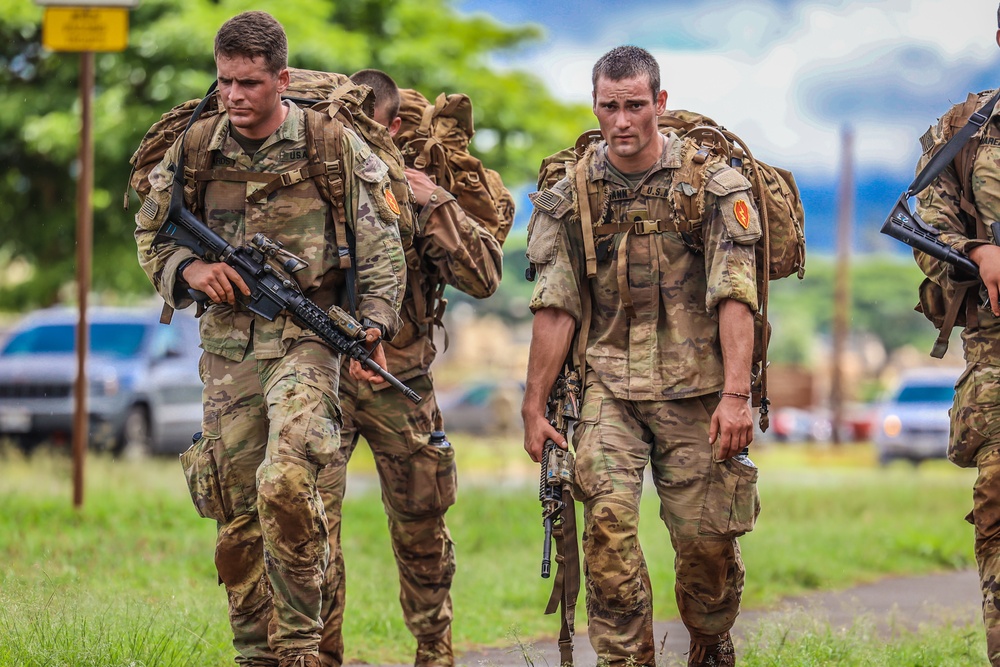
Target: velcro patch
x,y
149,208
727,181
927,140
550,202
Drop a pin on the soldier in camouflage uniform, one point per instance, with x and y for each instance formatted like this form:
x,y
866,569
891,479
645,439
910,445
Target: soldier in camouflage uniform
x,y
271,414
975,417
663,331
418,479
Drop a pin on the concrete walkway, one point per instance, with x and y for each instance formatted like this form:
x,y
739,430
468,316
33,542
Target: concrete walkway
x,y
951,598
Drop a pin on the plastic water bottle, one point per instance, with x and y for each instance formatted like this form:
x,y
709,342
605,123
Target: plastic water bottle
x,y
439,440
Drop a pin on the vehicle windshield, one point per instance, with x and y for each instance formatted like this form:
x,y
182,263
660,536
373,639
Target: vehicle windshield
x,y
926,393
116,340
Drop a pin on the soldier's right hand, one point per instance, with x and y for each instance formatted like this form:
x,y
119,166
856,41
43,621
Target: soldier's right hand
x,y
536,431
215,279
988,259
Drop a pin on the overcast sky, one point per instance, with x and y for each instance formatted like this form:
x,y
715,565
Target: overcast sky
x,y
785,75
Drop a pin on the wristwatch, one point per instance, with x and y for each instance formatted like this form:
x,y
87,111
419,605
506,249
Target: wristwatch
x,y
183,265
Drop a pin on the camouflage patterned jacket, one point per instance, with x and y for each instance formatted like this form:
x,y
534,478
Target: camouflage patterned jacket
x,y
673,274
939,207
451,248
296,216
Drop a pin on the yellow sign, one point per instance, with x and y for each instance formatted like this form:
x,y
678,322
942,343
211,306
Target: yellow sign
x,y
85,28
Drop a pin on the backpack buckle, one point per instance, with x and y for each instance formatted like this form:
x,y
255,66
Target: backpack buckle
x,y
646,227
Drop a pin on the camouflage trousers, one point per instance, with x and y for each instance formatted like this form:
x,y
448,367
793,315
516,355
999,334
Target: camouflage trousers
x,y
268,426
705,506
418,484
975,440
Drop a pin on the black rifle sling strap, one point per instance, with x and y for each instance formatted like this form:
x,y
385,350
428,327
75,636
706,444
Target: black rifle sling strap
x,y
950,150
938,162
566,586
177,190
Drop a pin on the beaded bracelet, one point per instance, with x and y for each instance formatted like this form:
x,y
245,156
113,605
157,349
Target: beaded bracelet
x,y
736,394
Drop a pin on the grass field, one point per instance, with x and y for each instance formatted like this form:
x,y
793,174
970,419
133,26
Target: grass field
x,y
129,578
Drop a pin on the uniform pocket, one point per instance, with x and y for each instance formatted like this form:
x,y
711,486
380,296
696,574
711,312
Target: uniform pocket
x,y
433,480
201,471
732,502
971,414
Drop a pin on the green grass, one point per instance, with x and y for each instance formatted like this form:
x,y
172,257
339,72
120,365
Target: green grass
x,y
129,578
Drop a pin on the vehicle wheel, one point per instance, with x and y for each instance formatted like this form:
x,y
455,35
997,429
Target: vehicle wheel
x,y
135,441
884,459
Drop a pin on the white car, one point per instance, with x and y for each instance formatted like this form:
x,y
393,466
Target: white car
x,y
914,422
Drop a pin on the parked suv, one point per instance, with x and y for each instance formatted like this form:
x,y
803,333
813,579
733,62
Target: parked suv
x,y
144,389
913,423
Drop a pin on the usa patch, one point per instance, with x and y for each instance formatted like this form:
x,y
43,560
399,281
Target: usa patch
x,y
149,209
742,213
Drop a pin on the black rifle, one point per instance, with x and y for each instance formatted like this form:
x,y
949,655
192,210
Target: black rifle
x,y
557,463
266,269
558,511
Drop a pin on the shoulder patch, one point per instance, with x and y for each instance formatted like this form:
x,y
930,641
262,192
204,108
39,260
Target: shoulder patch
x,y
927,140
726,181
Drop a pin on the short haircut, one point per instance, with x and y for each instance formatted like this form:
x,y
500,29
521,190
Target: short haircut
x,y
626,62
383,86
254,35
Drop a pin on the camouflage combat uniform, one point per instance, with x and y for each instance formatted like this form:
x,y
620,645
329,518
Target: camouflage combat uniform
x,y
271,414
418,479
651,386
975,417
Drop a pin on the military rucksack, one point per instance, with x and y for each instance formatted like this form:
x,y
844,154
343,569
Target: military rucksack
x,y
323,95
434,138
780,252
953,302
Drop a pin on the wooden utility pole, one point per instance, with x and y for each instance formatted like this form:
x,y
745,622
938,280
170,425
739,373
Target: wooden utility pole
x,y
84,26
842,283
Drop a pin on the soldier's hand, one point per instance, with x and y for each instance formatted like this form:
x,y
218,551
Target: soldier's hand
x,y
731,429
215,279
421,184
988,259
536,431
361,372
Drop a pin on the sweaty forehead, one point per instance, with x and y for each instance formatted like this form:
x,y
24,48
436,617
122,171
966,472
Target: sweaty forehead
x,y
620,90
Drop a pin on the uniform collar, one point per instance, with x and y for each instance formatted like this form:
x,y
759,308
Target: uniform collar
x,y
670,158
291,129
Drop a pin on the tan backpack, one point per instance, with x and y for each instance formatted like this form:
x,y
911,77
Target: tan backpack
x,y
952,302
434,138
323,94
781,248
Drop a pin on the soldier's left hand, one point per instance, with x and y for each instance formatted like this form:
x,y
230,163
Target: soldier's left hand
x,y
360,372
988,259
421,184
731,429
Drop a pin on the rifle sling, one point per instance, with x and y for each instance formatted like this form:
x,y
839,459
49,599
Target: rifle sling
x,y
566,585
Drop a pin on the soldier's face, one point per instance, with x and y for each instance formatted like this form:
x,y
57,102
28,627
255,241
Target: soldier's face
x,y
626,111
251,95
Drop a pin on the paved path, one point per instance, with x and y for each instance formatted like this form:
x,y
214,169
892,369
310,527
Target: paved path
x,y
892,604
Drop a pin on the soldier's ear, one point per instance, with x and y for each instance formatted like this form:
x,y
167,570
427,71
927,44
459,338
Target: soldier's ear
x,y
998,37
394,126
283,79
661,102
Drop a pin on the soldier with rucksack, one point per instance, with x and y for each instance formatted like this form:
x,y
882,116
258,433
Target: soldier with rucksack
x,y
962,208
271,415
652,298
456,241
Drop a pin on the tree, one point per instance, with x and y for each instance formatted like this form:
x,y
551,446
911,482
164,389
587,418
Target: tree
x,y
424,44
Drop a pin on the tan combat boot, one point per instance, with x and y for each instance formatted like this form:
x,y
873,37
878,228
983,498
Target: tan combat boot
x,y
712,655
435,652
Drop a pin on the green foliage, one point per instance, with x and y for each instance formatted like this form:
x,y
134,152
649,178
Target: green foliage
x,y
883,294
425,44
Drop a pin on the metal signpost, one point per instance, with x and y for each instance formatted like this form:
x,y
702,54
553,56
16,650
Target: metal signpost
x,y
84,26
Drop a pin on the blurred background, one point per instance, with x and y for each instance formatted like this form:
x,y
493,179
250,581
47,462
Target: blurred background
x,y
838,92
